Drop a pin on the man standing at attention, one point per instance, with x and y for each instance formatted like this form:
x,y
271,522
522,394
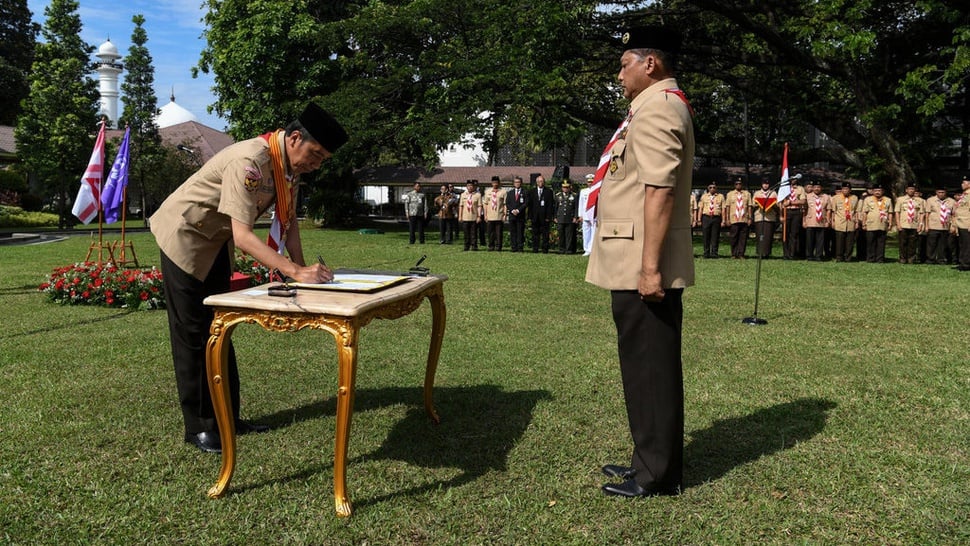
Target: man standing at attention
x,y
196,228
961,224
709,209
877,220
416,210
909,223
737,213
469,214
567,216
445,212
494,206
542,206
643,255
816,221
843,212
765,221
515,207
589,220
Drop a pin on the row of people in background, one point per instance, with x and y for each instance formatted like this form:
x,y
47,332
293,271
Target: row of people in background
x,y
816,225
480,217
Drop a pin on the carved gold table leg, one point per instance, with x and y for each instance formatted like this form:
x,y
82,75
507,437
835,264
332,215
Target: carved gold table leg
x,y
437,300
346,376
217,359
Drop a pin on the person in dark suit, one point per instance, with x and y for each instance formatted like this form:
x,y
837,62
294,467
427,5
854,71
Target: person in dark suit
x,y
542,208
516,207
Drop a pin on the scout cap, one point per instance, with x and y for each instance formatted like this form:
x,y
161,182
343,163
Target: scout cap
x,y
323,127
651,37
590,177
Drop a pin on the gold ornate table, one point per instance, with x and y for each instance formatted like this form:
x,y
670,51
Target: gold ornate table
x,y
342,314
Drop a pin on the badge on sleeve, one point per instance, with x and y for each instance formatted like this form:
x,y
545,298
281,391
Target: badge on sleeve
x,y
253,176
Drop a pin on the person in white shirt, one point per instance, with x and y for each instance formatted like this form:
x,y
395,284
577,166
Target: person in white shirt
x,y
589,219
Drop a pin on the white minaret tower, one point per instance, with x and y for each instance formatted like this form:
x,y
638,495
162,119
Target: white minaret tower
x,y
108,70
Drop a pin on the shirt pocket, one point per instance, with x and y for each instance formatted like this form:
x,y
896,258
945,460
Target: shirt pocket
x,y
617,166
616,229
207,222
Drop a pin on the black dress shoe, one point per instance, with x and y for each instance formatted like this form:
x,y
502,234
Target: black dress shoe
x,y
246,427
617,471
631,488
206,441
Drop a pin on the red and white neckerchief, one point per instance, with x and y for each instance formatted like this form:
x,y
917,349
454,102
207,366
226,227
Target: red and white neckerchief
x,y
468,201
846,205
944,213
494,199
818,208
911,211
605,162
710,204
883,213
739,207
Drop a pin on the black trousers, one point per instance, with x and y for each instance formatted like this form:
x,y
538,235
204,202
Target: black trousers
x,y
939,248
540,235
815,247
711,228
517,232
495,234
446,230
766,235
844,244
471,240
964,240
862,253
415,224
188,323
907,245
739,239
649,343
875,246
793,233
567,238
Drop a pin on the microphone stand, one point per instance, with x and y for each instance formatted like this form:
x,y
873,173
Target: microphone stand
x,y
754,319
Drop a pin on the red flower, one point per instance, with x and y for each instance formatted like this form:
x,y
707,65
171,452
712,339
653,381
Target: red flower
x,y
144,295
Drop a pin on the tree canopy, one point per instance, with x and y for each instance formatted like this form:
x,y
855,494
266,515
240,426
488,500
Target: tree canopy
x,y
884,81
17,36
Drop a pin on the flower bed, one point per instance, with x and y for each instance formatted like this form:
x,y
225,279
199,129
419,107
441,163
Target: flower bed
x,y
92,284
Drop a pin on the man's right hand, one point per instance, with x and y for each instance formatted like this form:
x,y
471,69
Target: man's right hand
x,y
313,274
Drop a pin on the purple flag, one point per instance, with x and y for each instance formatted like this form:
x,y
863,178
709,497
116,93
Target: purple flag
x,y
112,196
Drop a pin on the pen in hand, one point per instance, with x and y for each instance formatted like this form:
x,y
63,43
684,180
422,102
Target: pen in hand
x,y
323,263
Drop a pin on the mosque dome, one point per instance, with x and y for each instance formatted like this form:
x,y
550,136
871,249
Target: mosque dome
x,y
108,49
173,114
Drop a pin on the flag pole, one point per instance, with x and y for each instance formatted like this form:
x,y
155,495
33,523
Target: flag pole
x,y
754,319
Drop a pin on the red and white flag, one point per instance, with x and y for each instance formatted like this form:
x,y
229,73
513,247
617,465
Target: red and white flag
x,y
785,188
275,238
88,200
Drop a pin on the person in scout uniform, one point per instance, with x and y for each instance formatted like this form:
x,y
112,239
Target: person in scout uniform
x,y
842,209
909,223
938,215
961,224
737,215
765,221
515,209
445,213
567,216
588,226
469,214
494,205
793,209
815,222
643,254
710,209
416,210
877,220
196,228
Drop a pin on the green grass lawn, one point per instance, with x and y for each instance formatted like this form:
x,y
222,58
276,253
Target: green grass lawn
x,y
845,419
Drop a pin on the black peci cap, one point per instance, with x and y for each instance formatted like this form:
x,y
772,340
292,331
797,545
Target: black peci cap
x,y
652,37
323,127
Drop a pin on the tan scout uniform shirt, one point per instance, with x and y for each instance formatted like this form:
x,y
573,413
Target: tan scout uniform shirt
x,y
195,221
843,212
795,199
909,216
876,213
711,204
817,211
737,210
656,149
494,205
469,206
693,206
961,212
935,217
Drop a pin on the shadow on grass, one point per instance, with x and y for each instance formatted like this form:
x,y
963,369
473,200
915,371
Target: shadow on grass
x,y
479,427
73,324
732,442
